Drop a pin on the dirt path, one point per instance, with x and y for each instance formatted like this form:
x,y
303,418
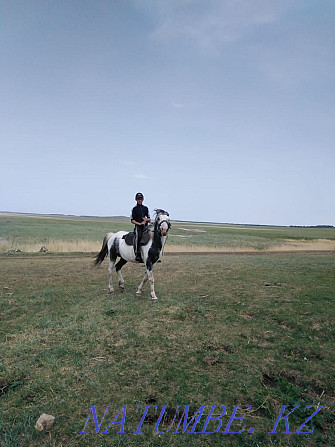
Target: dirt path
x,y
49,255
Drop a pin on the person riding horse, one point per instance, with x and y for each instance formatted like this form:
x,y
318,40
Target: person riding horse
x,y
140,217
115,246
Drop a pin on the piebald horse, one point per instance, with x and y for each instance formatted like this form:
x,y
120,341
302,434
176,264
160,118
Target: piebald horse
x,y
114,245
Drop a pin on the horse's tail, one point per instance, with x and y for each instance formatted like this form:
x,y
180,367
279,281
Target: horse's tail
x,y
104,250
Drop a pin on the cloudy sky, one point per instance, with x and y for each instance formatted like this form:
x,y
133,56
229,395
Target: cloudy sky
x,y
217,110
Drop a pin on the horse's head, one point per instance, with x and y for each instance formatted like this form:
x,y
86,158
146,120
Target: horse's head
x,y
162,222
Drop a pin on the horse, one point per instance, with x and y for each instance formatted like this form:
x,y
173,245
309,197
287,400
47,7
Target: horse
x,y
115,245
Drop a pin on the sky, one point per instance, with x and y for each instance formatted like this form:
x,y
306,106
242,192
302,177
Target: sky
x,y
216,110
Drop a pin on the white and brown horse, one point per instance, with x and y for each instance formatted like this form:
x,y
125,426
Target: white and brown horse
x,y
115,245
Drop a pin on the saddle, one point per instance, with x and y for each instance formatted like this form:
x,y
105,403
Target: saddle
x,y
130,237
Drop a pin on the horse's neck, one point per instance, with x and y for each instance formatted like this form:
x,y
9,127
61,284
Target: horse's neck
x,y
158,241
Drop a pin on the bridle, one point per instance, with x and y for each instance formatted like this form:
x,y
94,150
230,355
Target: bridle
x,y
162,221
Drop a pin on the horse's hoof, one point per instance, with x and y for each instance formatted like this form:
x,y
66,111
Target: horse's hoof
x,y
154,298
121,289
111,291
138,293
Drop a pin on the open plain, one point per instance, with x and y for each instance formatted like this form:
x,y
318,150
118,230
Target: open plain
x,y
239,321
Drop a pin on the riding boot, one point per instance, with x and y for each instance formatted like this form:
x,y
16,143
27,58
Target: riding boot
x,y
138,235
138,257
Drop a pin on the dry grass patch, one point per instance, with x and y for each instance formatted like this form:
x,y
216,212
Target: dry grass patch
x,y
52,245
288,245
305,245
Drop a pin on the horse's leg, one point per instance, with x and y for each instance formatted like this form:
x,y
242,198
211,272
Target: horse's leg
x,y
118,268
140,287
110,270
152,285
151,257
148,276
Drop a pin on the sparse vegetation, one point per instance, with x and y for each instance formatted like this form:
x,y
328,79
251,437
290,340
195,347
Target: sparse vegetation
x,y
250,329
74,234
227,330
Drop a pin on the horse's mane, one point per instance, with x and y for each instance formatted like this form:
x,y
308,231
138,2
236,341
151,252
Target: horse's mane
x,y
159,211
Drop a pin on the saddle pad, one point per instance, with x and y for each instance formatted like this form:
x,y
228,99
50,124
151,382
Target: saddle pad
x,y
130,238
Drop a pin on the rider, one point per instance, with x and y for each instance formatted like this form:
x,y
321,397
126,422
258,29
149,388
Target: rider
x,y
139,217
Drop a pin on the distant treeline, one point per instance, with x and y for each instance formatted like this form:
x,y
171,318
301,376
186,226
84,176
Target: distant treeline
x,y
311,226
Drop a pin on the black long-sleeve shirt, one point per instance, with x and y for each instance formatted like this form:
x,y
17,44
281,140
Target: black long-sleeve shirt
x,y
138,212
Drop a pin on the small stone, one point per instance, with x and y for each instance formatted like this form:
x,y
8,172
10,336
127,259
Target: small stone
x,y
45,422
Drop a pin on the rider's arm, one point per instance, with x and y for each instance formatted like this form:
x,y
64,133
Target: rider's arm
x,y
137,223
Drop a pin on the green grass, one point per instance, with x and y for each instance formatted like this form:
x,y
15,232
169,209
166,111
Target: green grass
x,y
228,329
21,229
257,237
42,229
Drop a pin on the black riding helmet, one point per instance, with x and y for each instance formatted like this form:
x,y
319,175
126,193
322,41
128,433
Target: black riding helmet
x,y
139,196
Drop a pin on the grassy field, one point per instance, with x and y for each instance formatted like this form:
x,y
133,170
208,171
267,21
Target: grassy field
x,y
229,329
74,234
